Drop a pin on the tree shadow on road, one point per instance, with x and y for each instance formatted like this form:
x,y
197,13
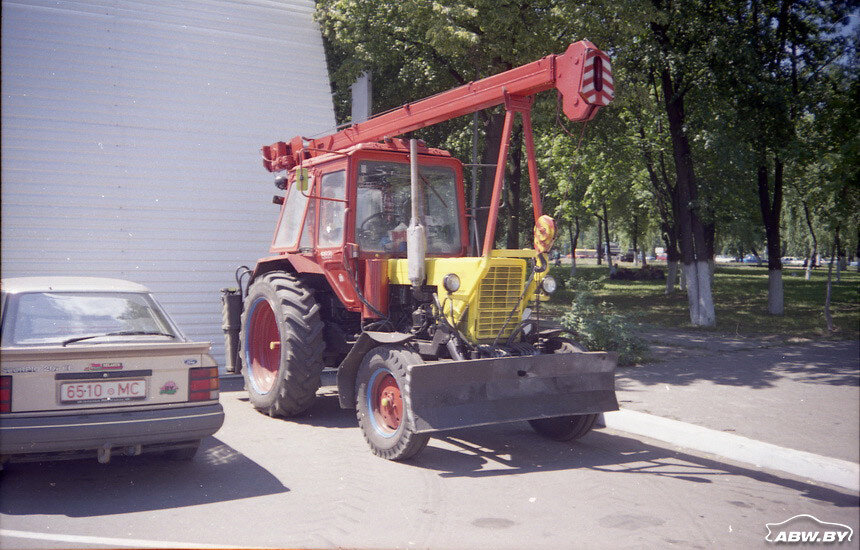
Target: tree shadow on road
x,y
85,488
514,449
831,363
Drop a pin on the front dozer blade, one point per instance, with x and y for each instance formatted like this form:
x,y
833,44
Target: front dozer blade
x,y
457,394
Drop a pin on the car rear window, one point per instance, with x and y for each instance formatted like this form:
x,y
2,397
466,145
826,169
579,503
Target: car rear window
x,y
40,318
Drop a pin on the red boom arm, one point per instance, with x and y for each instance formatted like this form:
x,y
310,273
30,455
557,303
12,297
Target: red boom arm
x,y
582,75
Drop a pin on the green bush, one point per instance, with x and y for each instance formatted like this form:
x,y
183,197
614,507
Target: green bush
x,y
599,327
579,284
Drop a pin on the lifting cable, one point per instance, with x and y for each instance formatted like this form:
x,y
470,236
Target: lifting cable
x,y
562,126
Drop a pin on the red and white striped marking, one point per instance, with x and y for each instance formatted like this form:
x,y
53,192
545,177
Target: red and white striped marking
x,y
598,88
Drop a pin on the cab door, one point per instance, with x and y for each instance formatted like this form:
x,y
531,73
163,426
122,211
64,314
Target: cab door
x,y
331,231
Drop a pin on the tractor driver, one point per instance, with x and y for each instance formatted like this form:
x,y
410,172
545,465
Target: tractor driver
x,y
378,229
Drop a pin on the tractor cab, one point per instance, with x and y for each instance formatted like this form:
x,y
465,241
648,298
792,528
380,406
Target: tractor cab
x,y
375,178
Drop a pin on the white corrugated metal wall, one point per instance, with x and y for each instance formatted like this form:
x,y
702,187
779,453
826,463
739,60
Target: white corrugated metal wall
x,y
131,134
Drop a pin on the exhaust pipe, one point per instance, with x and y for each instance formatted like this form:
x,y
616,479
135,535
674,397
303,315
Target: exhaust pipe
x,y
416,234
231,322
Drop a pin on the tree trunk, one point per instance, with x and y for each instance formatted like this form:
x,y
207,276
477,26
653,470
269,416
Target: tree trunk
x,y
710,242
608,245
494,125
574,239
599,240
670,239
671,276
837,246
828,317
666,197
771,207
635,240
692,235
710,230
810,261
775,295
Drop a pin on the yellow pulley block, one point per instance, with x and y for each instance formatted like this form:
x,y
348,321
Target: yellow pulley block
x,y
544,234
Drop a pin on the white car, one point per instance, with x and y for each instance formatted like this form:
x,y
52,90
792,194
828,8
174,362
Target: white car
x,y
95,367
791,261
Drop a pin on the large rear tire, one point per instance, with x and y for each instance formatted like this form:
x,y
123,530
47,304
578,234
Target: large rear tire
x,y
564,428
282,345
383,404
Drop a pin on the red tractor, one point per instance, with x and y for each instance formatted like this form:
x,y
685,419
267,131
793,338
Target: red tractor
x,y
369,274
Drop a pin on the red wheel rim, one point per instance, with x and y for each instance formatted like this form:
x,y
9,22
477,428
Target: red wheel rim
x,y
387,402
264,346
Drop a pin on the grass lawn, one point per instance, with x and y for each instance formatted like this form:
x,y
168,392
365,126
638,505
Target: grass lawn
x,y
740,298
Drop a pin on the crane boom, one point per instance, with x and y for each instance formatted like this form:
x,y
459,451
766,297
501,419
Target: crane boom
x,y
582,75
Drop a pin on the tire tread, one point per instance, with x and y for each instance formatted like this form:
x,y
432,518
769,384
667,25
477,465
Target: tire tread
x,y
409,444
302,342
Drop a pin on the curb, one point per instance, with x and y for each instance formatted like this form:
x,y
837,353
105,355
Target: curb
x,y
833,471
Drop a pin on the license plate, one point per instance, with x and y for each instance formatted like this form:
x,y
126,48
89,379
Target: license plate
x,y
102,390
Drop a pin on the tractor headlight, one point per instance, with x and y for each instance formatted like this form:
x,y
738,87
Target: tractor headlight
x,y
451,282
548,284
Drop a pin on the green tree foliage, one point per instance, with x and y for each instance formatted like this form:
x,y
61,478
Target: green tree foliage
x,y
716,101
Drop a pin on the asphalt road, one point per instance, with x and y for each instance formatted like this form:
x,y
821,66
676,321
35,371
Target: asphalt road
x,y
800,396
263,482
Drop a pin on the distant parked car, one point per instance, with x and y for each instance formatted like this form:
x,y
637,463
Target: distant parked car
x,y
792,261
722,259
752,259
95,367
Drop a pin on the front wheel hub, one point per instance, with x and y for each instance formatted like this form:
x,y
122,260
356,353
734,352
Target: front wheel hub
x,y
386,403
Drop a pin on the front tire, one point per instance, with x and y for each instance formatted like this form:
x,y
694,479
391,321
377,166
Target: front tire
x,y
383,404
564,428
282,345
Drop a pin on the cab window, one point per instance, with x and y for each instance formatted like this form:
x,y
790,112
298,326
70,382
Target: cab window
x,y
384,207
332,186
291,218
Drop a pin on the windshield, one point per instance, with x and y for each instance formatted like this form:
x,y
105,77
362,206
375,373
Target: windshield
x,y
40,318
384,207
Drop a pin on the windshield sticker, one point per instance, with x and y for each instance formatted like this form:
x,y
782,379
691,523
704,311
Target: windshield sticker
x,y
169,388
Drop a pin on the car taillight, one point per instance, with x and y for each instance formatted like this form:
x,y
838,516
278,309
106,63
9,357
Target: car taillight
x,y
203,383
5,394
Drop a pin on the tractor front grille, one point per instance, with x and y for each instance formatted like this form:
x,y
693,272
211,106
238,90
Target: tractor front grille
x,y
498,294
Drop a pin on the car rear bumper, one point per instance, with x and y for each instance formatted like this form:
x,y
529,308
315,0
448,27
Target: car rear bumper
x,y
49,434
